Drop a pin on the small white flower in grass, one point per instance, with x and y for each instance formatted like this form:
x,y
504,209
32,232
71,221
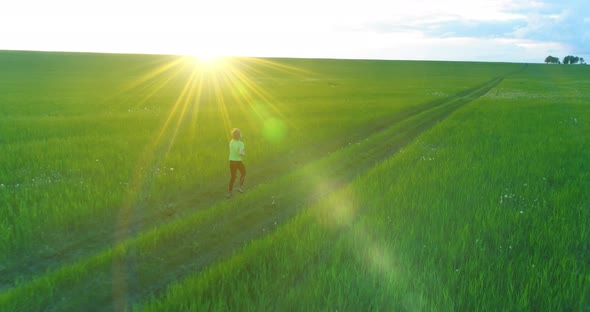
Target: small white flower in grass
x,y
2,185
521,212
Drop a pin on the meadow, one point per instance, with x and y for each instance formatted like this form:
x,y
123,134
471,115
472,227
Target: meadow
x,y
372,185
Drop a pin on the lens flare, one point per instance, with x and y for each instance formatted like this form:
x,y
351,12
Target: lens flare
x,y
274,130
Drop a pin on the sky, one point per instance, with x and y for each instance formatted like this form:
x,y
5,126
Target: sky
x,y
453,30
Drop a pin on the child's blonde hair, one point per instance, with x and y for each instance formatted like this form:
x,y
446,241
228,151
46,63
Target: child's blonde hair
x,y
236,134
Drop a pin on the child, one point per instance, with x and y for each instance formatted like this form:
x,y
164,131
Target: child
x,y
236,154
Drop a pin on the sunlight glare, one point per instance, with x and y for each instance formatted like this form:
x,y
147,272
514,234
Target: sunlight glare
x,y
208,61
206,57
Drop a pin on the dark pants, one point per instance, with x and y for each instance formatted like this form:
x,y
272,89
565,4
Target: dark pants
x,y
234,166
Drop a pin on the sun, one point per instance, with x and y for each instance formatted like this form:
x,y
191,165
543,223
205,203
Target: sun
x,y
206,57
209,61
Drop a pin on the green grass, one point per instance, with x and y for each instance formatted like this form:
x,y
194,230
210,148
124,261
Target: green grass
x,y
372,185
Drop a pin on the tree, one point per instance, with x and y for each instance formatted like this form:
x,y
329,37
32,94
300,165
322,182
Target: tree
x,y
582,61
570,59
552,60
575,60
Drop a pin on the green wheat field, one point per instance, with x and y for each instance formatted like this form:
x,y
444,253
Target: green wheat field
x,y
371,185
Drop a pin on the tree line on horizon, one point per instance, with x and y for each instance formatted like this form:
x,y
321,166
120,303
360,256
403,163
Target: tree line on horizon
x,y
570,59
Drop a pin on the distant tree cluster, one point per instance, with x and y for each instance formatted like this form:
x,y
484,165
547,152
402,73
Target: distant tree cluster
x,y
570,59
552,60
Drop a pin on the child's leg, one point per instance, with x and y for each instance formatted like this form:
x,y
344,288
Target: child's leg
x,y
232,170
242,169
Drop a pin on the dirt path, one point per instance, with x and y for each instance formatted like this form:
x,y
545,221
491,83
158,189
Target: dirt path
x,y
216,238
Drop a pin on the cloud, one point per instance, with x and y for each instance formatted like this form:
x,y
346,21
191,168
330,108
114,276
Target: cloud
x,y
552,26
558,22
412,47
